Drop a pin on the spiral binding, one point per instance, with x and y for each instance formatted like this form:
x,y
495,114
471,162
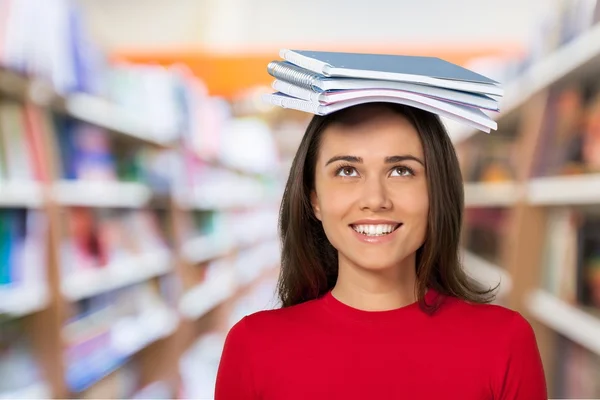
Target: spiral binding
x,y
293,74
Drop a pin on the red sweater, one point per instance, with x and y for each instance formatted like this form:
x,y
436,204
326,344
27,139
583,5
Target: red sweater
x,y
324,349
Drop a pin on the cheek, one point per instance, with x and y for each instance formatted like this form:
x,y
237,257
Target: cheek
x,y
413,205
334,203
413,199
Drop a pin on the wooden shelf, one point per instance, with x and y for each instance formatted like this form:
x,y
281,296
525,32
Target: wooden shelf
x,y
577,325
578,59
21,194
565,190
101,194
22,300
491,194
487,273
85,107
132,270
38,390
22,88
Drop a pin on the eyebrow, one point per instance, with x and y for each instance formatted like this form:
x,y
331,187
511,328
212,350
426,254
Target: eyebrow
x,y
387,160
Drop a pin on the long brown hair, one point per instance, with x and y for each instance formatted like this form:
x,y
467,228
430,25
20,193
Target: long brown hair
x,y
309,263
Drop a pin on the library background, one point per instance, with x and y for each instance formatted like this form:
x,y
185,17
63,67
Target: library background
x,y
140,178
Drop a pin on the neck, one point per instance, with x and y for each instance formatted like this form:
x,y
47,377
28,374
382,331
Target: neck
x,y
378,290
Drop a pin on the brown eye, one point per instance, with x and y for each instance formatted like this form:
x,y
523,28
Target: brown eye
x,y
402,171
347,172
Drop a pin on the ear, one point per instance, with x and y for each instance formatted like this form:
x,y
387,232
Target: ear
x,y
314,201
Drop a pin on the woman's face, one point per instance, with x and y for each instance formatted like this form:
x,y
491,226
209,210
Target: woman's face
x,y
371,191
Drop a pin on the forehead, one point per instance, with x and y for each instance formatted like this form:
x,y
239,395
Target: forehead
x,y
383,134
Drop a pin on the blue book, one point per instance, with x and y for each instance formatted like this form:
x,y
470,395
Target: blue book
x,y
400,68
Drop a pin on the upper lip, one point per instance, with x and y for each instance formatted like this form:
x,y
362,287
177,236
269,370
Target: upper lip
x,y
375,222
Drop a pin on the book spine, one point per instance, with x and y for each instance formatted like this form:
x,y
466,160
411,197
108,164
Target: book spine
x,y
295,91
311,64
292,74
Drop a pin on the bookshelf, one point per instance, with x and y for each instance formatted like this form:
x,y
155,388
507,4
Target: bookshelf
x,y
567,63
132,240
47,302
543,179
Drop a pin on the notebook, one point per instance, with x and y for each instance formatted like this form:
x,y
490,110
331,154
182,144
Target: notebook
x,y
363,88
471,116
413,69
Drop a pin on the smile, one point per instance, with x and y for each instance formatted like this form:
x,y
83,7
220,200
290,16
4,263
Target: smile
x,y
375,230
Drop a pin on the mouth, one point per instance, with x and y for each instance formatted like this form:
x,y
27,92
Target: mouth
x,y
375,230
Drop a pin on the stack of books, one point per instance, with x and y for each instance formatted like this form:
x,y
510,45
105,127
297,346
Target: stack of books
x,y
320,83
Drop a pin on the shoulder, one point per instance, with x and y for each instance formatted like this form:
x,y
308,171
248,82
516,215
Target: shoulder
x,y
493,315
507,328
510,348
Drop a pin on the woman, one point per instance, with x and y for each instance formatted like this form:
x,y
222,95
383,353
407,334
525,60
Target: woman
x,y
375,304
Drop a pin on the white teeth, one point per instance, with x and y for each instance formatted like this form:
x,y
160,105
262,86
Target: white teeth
x,y
374,230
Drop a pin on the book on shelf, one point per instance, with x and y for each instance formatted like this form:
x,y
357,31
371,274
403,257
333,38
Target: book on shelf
x,y
22,247
95,238
484,229
19,367
577,372
571,258
570,143
103,331
325,82
18,161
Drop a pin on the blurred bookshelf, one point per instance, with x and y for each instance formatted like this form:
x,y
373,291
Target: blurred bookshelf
x,y
532,196
138,216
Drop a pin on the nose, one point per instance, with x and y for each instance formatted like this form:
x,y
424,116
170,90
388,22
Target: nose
x,y
375,196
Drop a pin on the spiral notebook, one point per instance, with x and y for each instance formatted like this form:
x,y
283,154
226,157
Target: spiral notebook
x,y
292,80
400,68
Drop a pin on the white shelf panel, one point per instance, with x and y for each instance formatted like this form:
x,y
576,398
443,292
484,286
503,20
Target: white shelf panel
x,y
39,390
491,194
204,297
21,194
105,114
487,273
577,325
101,194
206,248
565,190
23,300
566,62
131,335
209,247
134,269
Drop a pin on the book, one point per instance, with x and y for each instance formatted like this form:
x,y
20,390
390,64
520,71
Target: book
x,y
325,82
415,69
297,82
471,116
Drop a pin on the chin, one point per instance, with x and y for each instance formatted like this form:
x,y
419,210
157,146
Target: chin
x,y
377,265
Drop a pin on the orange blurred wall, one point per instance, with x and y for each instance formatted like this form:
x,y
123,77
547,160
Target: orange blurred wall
x,y
228,74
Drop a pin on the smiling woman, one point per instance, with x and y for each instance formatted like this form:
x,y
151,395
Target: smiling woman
x,y
375,303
